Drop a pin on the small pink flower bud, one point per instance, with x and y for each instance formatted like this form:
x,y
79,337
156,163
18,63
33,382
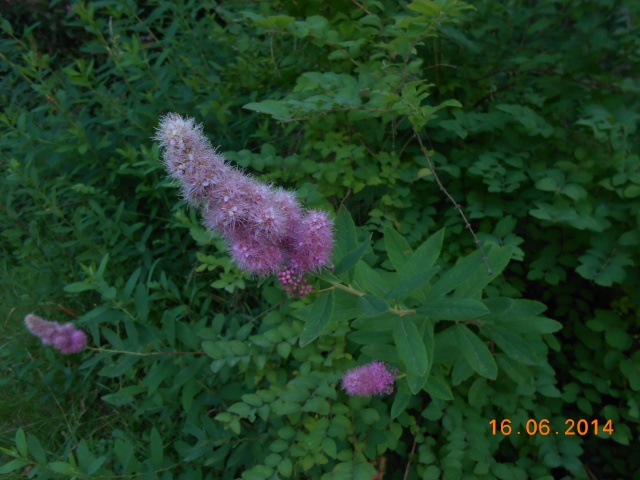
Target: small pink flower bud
x,y
294,283
63,337
374,378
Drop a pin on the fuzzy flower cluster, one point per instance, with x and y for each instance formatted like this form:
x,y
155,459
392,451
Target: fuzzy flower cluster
x,y
374,378
267,230
64,337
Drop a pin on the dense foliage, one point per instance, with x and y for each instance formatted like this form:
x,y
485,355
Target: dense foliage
x,y
404,119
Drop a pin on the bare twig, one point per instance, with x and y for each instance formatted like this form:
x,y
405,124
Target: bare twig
x,y
273,57
361,7
455,204
406,470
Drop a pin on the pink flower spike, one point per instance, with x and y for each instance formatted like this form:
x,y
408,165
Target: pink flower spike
x,y
265,226
63,337
313,242
268,222
287,203
188,156
374,378
252,256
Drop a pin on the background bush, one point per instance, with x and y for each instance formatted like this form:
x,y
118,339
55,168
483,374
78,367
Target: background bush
x,y
529,111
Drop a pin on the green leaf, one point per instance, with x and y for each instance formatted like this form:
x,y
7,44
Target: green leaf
x,y
351,258
371,305
241,409
413,283
438,388
416,381
547,184
79,287
533,123
277,109
346,235
366,279
470,275
410,346
400,402
497,260
123,396
103,266
142,303
425,255
515,370
130,285
398,249
21,443
632,191
122,365
285,467
13,465
63,468
426,7
6,27
513,345
156,448
35,450
453,309
476,353
317,319
521,316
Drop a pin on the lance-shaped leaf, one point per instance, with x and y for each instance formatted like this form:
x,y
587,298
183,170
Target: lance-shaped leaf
x,y
400,402
371,305
438,388
277,109
410,346
470,274
316,318
345,235
513,344
453,309
426,254
352,257
412,283
476,352
398,249
415,381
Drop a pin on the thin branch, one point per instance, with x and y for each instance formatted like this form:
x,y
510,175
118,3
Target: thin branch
x,y
361,7
273,57
455,204
406,470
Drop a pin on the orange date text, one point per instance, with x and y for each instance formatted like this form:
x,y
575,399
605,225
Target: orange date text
x,y
544,427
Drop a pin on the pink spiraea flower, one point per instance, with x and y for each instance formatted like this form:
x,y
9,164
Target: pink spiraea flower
x,y
63,337
374,378
256,257
313,242
189,156
266,228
